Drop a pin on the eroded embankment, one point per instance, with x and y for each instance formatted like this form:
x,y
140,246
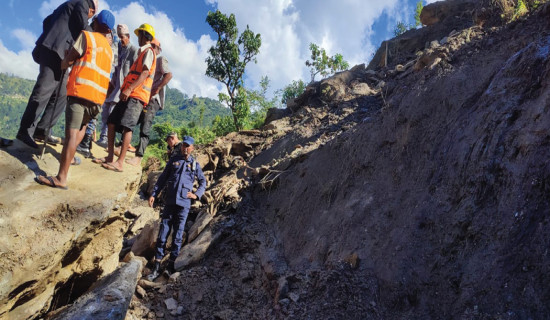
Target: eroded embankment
x,y
56,243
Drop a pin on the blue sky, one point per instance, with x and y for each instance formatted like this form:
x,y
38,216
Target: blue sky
x,y
354,28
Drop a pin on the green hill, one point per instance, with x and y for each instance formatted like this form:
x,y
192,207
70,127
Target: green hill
x,y
180,110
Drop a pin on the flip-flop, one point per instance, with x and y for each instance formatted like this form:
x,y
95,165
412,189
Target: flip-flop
x,y
50,184
99,160
76,161
109,166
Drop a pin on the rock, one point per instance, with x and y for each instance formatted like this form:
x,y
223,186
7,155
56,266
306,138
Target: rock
x,y
151,180
282,289
110,297
438,11
294,297
362,89
171,304
128,257
140,292
174,277
145,243
203,219
195,251
353,261
144,216
148,285
277,113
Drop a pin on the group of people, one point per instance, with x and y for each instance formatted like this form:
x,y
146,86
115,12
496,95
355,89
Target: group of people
x,y
130,95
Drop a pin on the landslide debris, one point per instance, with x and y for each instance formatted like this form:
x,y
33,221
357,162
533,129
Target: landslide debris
x,y
413,190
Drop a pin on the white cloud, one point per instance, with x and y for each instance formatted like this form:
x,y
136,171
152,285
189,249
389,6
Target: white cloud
x,y
25,37
288,27
48,7
19,64
186,57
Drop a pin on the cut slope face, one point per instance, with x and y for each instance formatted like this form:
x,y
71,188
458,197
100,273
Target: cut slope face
x,y
444,197
56,243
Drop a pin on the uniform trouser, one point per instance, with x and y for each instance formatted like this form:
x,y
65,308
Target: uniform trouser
x,y
42,99
146,122
173,218
107,109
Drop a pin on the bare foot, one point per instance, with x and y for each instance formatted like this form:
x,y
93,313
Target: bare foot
x,y
114,166
135,161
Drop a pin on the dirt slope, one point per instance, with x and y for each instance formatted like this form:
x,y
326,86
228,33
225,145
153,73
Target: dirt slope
x,y
426,201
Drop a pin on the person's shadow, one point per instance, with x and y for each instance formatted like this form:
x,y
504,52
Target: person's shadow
x,y
28,155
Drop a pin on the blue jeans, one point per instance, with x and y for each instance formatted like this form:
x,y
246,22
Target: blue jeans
x,y
173,218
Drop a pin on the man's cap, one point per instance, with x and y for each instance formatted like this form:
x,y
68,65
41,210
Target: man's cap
x,y
156,43
94,3
122,29
171,134
105,17
188,140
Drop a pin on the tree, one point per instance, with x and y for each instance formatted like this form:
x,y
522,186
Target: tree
x,y
292,90
228,59
400,28
417,11
321,63
260,103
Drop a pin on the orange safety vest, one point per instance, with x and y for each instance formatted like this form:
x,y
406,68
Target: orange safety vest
x,y
91,73
143,92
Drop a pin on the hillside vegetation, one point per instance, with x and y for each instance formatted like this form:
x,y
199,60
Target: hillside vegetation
x,y
179,111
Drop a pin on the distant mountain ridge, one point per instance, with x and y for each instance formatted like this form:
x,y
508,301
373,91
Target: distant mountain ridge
x,y
179,109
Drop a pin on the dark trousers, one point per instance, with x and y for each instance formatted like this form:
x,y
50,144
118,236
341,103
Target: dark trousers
x,y
146,122
43,96
173,218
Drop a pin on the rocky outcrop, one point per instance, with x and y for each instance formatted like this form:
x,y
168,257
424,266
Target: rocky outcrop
x,y
56,243
440,11
440,19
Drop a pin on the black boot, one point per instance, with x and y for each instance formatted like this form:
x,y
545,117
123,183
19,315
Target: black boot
x,y
170,269
84,147
155,273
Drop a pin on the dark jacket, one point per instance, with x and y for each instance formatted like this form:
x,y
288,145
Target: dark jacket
x,y
178,177
61,28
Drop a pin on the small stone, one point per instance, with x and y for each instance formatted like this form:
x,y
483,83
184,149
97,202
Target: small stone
x,y
294,296
179,311
174,277
171,304
140,292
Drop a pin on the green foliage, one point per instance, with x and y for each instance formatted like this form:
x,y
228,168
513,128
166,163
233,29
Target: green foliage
x,y
321,63
417,11
401,28
292,90
228,60
223,125
520,10
259,103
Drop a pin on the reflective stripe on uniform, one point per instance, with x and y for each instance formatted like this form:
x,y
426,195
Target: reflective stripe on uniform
x,y
91,84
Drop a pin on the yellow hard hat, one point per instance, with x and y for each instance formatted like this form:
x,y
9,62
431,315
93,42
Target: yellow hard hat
x,y
147,28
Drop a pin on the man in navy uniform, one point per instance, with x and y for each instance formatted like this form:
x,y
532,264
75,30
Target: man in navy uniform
x,y
178,178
